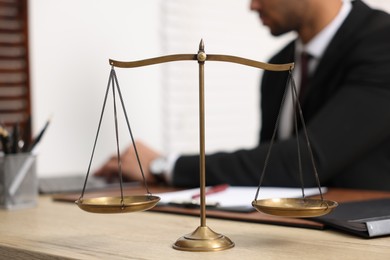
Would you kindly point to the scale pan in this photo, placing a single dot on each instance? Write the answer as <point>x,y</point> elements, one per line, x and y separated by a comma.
<point>298,208</point>
<point>115,204</point>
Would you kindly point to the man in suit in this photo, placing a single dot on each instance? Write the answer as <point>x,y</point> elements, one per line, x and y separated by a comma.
<point>345,103</point>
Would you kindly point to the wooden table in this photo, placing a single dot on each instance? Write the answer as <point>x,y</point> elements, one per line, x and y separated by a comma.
<point>62,231</point>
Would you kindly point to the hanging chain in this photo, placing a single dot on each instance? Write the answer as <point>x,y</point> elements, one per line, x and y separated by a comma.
<point>113,81</point>
<point>97,133</point>
<point>290,85</point>
<point>272,139</point>
<point>131,134</point>
<point>119,159</point>
<point>298,105</point>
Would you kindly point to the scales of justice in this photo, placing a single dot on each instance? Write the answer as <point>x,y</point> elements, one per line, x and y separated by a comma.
<point>204,238</point>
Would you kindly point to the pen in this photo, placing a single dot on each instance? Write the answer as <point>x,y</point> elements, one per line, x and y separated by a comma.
<point>39,136</point>
<point>212,190</point>
<point>15,138</point>
<point>4,139</point>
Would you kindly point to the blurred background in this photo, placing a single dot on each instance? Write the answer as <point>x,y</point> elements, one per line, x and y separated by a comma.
<point>71,41</point>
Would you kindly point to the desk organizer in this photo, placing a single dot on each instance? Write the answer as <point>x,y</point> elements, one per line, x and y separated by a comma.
<point>18,181</point>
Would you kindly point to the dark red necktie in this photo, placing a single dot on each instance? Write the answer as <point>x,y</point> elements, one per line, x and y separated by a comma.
<point>305,58</point>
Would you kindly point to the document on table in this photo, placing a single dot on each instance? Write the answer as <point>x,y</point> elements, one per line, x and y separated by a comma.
<point>235,197</point>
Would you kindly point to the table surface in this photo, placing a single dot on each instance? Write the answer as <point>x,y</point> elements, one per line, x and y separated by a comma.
<point>61,230</point>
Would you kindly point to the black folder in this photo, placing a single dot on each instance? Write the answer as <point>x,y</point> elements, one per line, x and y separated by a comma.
<point>369,218</point>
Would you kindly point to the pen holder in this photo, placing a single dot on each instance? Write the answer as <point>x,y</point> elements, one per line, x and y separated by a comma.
<point>18,181</point>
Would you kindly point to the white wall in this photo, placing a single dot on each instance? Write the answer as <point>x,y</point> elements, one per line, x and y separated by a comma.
<point>71,42</point>
<point>231,90</point>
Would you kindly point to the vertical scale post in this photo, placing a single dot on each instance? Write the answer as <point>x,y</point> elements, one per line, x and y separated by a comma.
<point>203,238</point>
<point>202,154</point>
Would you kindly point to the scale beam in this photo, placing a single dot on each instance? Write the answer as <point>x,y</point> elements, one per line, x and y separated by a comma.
<point>209,57</point>
<point>203,238</point>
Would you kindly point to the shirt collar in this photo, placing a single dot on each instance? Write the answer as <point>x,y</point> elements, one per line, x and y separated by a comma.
<point>316,47</point>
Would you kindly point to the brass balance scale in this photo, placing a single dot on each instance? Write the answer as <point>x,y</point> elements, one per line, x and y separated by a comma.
<point>204,238</point>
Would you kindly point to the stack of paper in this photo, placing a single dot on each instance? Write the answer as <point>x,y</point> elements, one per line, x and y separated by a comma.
<point>234,196</point>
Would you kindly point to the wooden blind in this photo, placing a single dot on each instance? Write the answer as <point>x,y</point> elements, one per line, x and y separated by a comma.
<point>15,101</point>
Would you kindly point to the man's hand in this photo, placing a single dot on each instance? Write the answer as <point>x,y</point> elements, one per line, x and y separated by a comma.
<point>129,164</point>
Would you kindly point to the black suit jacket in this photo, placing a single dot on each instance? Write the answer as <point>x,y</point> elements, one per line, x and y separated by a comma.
<point>346,110</point>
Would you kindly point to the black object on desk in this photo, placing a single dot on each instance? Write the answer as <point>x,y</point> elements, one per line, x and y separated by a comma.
<point>369,218</point>
<point>71,183</point>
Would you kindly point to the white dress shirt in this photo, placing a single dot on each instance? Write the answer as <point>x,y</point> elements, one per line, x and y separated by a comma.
<point>315,48</point>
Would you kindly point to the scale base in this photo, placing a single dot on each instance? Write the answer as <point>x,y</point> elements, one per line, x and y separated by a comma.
<point>203,239</point>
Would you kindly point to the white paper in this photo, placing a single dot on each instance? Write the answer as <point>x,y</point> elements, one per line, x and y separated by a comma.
<point>239,196</point>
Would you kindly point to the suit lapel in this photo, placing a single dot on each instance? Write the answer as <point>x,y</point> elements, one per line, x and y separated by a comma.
<point>339,46</point>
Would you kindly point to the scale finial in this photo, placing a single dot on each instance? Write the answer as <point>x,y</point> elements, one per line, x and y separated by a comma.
<point>201,54</point>
<point>201,45</point>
